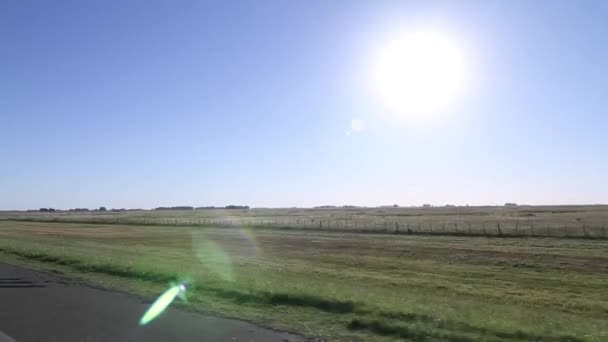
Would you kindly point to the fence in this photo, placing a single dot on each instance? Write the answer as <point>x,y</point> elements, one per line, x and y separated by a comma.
<point>369,225</point>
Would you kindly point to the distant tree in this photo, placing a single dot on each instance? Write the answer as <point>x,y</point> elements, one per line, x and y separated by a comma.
<point>103,209</point>
<point>44,210</point>
<point>426,205</point>
<point>510,205</point>
<point>236,207</point>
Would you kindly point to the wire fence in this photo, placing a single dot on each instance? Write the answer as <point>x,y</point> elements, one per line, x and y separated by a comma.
<point>362,225</point>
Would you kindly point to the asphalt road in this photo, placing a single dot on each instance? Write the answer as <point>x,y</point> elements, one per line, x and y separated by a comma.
<point>36,306</point>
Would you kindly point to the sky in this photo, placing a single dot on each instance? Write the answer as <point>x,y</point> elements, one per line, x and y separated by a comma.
<point>138,104</point>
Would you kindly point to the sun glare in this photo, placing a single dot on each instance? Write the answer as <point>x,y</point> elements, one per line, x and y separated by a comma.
<point>419,73</point>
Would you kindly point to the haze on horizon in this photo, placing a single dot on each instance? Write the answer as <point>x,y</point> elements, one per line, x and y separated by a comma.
<point>285,104</point>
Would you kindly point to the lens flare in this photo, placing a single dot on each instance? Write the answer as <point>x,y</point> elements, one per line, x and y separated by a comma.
<point>245,238</point>
<point>249,243</point>
<point>162,302</point>
<point>212,257</point>
<point>220,255</point>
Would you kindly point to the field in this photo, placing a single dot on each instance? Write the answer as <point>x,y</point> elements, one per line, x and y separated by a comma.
<point>337,284</point>
<point>549,221</point>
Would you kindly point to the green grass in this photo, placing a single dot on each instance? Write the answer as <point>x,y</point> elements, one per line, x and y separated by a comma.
<point>343,286</point>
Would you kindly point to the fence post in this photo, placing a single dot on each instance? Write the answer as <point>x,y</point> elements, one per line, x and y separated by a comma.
<point>584,230</point>
<point>396,227</point>
<point>499,230</point>
<point>532,227</point>
<point>604,230</point>
<point>443,228</point>
<point>469,228</point>
<point>484,229</point>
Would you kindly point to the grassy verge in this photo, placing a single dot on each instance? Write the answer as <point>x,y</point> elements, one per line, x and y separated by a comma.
<point>344,286</point>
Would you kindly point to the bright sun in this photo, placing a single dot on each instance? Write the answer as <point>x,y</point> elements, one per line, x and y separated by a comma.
<point>419,73</point>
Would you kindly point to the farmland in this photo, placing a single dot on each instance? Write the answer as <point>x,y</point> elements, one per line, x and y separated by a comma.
<point>548,221</point>
<point>336,283</point>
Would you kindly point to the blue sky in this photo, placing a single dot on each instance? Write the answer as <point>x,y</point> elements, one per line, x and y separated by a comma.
<point>150,103</point>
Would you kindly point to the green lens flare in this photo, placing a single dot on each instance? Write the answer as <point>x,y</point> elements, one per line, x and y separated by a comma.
<point>161,304</point>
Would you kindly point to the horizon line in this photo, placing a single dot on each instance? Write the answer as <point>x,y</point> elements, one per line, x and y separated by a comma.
<point>325,206</point>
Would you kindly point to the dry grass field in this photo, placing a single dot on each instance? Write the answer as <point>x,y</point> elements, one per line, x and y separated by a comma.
<point>556,221</point>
